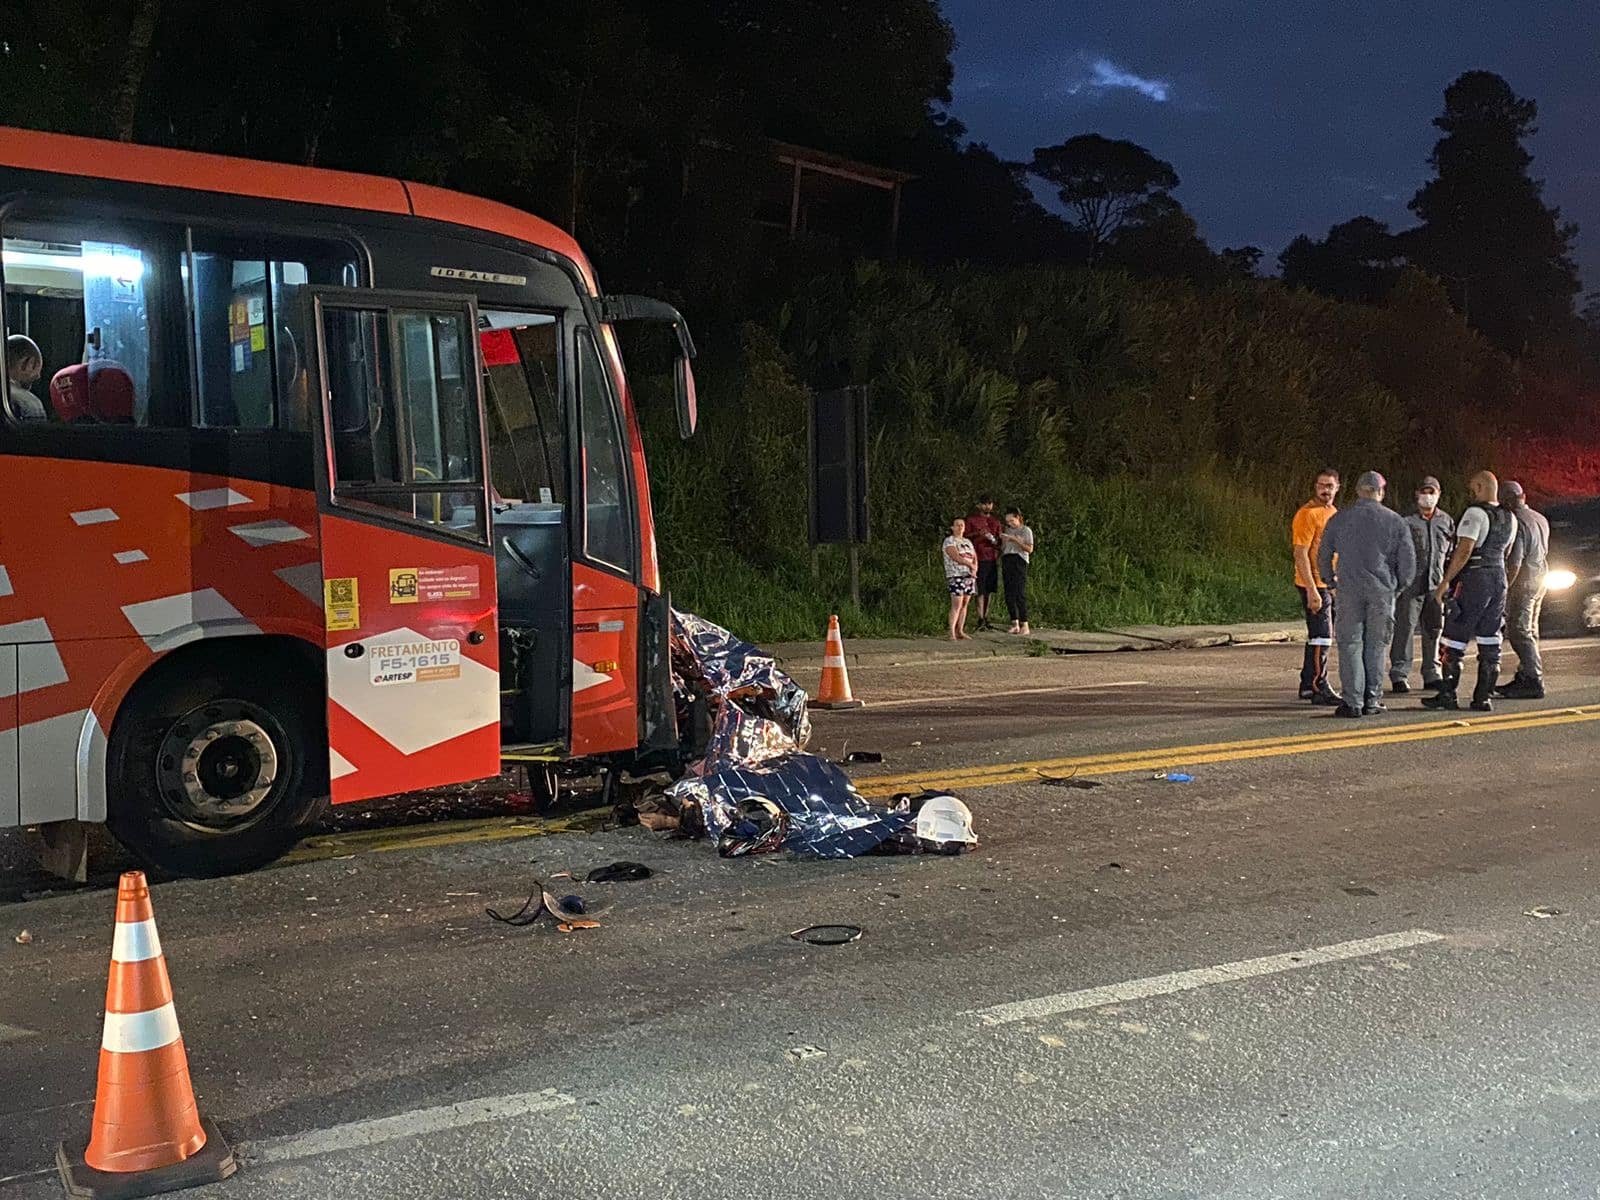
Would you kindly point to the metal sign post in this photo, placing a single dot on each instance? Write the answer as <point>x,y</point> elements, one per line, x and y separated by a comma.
<point>836,438</point>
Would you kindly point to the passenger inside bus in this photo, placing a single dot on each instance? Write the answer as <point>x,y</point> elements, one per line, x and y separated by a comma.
<point>24,365</point>
<point>236,308</point>
<point>86,305</point>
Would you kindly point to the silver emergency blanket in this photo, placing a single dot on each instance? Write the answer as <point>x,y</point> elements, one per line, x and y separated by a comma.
<point>756,789</point>
<point>757,712</point>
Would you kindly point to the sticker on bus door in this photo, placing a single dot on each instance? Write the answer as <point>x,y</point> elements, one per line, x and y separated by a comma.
<point>413,687</point>
<point>413,661</point>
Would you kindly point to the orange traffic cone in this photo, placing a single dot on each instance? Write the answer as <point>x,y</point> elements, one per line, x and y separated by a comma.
<point>148,1135</point>
<point>835,689</point>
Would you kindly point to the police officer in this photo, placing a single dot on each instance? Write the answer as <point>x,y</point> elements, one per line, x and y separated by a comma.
<point>1475,581</point>
<point>1432,530</point>
<point>1525,597</point>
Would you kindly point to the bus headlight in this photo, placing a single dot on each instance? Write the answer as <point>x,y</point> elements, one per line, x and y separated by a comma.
<point>1559,580</point>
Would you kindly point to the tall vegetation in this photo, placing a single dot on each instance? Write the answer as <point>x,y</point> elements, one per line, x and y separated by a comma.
<point>1156,433</point>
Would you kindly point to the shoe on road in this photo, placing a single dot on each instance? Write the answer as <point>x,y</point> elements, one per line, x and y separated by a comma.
<point>1484,705</point>
<point>1399,687</point>
<point>1330,699</point>
<point>1373,710</point>
<point>1521,689</point>
<point>1441,700</point>
<point>1432,685</point>
<point>1344,710</point>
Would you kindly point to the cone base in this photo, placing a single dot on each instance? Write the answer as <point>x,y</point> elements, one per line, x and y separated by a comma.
<point>212,1164</point>
<point>836,703</point>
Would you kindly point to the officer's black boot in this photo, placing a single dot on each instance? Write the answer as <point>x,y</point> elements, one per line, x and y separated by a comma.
<point>1449,680</point>
<point>1522,687</point>
<point>1488,675</point>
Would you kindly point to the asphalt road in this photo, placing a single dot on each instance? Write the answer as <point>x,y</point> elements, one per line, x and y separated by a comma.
<point>1308,972</point>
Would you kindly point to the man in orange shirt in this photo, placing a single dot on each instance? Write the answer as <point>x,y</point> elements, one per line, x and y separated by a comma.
<point>1305,534</point>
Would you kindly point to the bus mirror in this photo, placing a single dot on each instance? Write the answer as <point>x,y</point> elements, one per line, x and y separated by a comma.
<point>614,309</point>
<point>688,402</point>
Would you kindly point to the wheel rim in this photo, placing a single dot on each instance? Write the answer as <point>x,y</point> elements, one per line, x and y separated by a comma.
<point>218,764</point>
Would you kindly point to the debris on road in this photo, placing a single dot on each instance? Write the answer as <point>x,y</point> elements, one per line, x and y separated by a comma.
<point>1068,781</point>
<point>541,902</point>
<point>828,935</point>
<point>863,756</point>
<point>803,1053</point>
<point>1544,912</point>
<point>755,790</point>
<point>1358,891</point>
<point>619,872</point>
<point>25,938</point>
<point>1175,777</point>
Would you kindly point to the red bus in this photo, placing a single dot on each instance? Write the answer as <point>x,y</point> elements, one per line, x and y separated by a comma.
<point>317,485</point>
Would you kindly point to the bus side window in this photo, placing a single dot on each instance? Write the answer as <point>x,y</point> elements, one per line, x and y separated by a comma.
<point>252,330</point>
<point>91,301</point>
<point>607,525</point>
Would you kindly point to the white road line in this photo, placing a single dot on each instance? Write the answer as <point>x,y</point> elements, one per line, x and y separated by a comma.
<point>1183,981</point>
<point>1039,691</point>
<point>28,1176</point>
<point>404,1125</point>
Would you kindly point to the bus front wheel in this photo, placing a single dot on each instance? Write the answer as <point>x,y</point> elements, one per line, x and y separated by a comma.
<point>212,769</point>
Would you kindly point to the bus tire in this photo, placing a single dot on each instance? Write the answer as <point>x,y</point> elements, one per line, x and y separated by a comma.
<point>215,764</point>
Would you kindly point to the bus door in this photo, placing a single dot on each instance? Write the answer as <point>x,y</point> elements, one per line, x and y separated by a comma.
<point>408,569</point>
<point>605,593</point>
<point>532,525</point>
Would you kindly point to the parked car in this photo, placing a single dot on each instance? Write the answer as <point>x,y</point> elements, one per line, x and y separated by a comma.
<point>1572,605</point>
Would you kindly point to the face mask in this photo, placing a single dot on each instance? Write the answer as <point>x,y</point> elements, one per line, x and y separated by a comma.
<point>1427,501</point>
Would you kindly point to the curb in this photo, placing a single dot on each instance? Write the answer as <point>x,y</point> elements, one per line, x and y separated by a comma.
<point>916,651</point>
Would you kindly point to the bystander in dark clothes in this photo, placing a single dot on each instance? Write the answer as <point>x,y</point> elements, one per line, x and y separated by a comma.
<point>983,531</point>
<point>1366,553</point>
<point>1016,551</point>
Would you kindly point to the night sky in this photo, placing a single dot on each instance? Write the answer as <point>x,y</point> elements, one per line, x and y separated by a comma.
<point>1284,118</point>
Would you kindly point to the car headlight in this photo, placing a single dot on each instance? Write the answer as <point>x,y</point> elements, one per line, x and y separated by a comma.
<point>1559,580</point>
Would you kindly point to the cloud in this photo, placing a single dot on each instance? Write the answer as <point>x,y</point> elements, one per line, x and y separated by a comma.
<point>1103,75</point>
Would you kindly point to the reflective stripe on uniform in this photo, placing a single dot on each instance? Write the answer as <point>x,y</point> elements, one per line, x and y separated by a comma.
<point>1453,645</point>
<point>1490,641</point>
<point>1319,641</point>
<point>135,941</point>
<point>134,1033</point>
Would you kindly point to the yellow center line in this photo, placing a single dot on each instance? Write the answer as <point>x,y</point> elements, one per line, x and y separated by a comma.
<point>1158,757</point>
<point>438,833</point>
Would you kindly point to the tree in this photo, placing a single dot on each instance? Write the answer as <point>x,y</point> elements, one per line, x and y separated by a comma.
<point>1241,262</point>
<point>1159,238</point>
<point>968,204</point>
<point>1358,260</point>
<point>1504,254</point>
<point>1103,181</point>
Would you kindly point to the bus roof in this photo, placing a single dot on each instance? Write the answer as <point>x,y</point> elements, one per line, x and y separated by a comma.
<point>93,158</point>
